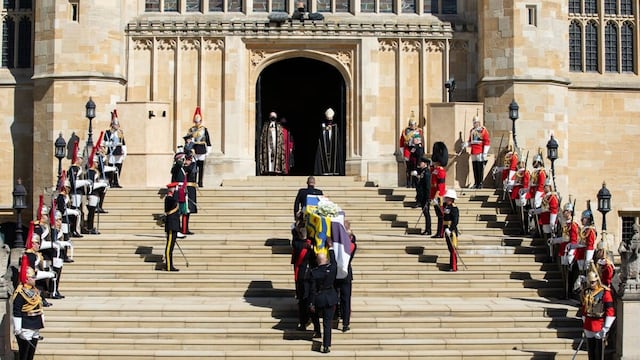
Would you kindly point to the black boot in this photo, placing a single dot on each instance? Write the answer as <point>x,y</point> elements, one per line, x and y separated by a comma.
<point>116,176</point>
<point>200,164</point>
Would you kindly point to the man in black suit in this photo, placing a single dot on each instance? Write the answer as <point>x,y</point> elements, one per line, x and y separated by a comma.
<point>301,198</point>
<point>423,190</point>
<point>324,297</point>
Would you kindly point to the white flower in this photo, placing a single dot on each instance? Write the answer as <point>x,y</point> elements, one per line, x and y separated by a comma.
<point>327,208</point>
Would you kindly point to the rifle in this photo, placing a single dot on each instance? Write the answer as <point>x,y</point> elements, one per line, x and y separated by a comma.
<point>455,158</point>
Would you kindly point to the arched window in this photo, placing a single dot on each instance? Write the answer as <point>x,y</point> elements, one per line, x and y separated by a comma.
<point>8,42</point>
<point>626,47</point>
<point>574,6</point>
<point>591,46</point>
<point>611,47</point>
<point>590,6</point>
<point>610,7</point>
<point>575,46</point>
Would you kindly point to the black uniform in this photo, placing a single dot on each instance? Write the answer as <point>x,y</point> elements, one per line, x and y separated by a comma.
<point>27,307</point>
<point>329,156</point>
<point>303,260</point>
<point>450,221</point>
<point>171,227</point>
<point>325,296</point>
<point>301,198</point>
<point>191,172</point>
<point>423,191</point>
<point>343,287</point>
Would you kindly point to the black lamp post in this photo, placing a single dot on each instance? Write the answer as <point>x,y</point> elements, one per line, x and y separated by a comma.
<point>90,114</point>
<point>19,204</point>
<point>513,115</point>
<point>552,154</point>
<point>60,148</point>
<point>604,204</point>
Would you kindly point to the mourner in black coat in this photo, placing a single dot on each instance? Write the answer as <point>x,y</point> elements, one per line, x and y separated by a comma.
<point>324,297</point>
<point>301,198</point>
<point>171,225</point>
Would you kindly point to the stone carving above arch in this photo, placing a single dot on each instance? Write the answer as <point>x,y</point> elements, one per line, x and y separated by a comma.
<point>411,45</point>
<point>433,46</point>
<point>142,44</point>
<point>213,44</point>
<point>189,44</point>
<point>345,57</point>
<point>387,45</point>
<point>166,44</point>
<point>459,45</point>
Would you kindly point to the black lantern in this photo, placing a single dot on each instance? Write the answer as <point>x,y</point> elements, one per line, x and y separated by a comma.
<point>604,204</point>
<point>552,154</point>
<point>513,115</point>
<point>61,147</point>
<point>90,114</point>
<point>19,204</point>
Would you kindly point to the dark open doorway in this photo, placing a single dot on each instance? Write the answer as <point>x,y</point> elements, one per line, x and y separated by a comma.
<point>300,90</point>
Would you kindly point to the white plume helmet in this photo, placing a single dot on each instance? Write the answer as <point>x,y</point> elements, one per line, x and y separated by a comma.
<point>114,117</point>
<point>329,114</point>
<point>451,194</point>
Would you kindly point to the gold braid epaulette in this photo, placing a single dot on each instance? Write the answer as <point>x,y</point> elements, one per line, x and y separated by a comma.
<point>33,305</point>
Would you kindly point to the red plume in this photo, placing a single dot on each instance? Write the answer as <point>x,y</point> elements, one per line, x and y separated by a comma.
<point>63,178</point>
<point>29,244</point>
<point>99,142</point>
<point>52,214</point>
<point>114,117</point>
<point>197,115</point>
<point>74,158</point>
<point>24,266</point>
<point>40,205</point>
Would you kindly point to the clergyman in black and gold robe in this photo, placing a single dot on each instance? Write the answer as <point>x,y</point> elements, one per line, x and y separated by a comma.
<point>329,156</point>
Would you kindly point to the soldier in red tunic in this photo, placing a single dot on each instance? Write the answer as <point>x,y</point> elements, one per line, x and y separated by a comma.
<point>439,159</point>
<point>598,315</point>
<point>480,142</point>
<point>587,242</point>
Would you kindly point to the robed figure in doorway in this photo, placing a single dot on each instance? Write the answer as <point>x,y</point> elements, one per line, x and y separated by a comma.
<point>329,156</point>
<point>273,147</point>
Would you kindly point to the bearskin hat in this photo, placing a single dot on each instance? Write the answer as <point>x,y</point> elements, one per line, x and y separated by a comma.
<point>440,154</point>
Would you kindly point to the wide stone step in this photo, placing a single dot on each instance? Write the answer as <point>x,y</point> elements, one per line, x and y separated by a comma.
<point>363,307</point>
<point>287,274</point>
<point>266,291</point>
<point>109,354</point>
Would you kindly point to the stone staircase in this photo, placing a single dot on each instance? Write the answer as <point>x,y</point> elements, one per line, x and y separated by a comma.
<point>235,299</point>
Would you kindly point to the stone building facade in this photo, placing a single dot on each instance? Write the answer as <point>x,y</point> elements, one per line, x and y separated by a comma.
<point>571,65</point>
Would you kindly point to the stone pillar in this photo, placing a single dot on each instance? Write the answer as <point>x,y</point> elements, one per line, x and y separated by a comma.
<point>627,315</point>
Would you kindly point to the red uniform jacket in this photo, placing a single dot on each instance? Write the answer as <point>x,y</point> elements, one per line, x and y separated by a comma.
<point>438,178</point>
<point>595,323</point>
<point>545,216</point>
<point>513,166</point>
<point>574,230</point>
<point>538,186</point>
<point>522,182</point>
<point>587,238</point>
<point>478,140</point>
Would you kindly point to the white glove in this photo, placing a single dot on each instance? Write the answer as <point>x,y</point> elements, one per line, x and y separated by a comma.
<point>17,325</point>
<point>208,150</point>
<point>124,151</point>
<point>447,232</point>
<point>434,202</point>
<point>583,318</point>
<point>465,144</point>
<point>485,156</point>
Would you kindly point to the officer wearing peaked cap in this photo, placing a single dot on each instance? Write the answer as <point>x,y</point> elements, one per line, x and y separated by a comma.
<point>451,215</point>
<point>171,225</point>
